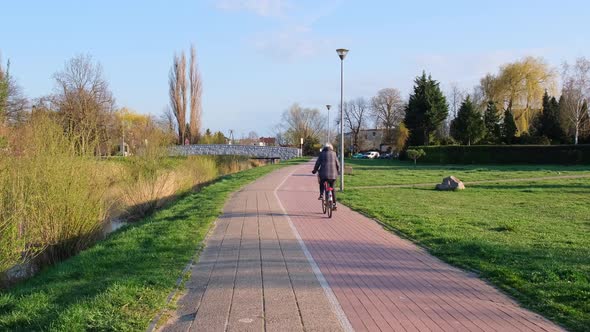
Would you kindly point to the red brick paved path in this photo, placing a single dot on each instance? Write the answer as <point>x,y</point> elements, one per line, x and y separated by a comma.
<point>255,275</point>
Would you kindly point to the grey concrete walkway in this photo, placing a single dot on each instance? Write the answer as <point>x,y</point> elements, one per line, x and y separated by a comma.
<point>264,269</point>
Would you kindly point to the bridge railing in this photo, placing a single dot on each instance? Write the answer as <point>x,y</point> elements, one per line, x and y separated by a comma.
<point>253,151</point>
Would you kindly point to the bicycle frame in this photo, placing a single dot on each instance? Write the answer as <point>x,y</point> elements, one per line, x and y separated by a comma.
<point>328,201</point>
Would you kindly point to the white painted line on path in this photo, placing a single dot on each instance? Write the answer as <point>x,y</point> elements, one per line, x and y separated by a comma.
<point>340,315</point>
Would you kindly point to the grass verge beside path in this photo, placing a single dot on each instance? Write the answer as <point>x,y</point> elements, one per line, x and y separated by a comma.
<point>123,281</point>
<point>367,172</point>
<point>531,239</point>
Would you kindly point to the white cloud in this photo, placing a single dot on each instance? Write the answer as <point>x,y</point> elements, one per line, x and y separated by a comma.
<point>265,8</point>
<point>292,36</point>
<point>290,43</point>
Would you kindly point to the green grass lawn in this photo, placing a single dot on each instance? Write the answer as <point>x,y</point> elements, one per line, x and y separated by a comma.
<point>122,282</point>
<point>368,172</point>
<point>531,239</point>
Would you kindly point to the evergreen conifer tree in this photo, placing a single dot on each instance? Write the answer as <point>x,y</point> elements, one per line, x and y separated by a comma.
<point>491,120</point>
<point>468,127</point>
<point>509,126</point>
<point>426,110</point>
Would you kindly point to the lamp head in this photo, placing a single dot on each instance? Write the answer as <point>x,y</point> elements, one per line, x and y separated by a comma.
<point>342,53</point>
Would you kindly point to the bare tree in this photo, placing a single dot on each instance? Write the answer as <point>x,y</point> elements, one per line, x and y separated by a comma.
<point>279,134</point>
<point>355,118</point>
<point>13,104</point>
<point>196,89</point>
<point>177,91</point>
<point>576,94</point>
<point>84,102</point>
<point>388,109</point>
<point>298,122</point>
<point>455,96</point>
<point>167,121</point>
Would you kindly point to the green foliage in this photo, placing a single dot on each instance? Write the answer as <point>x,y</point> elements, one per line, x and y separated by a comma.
<point>492,124</point>
<point>311,146</point>
<point>509,129</point>
<point>508,154</point>
<point>548,122</point>
<point>426,110</point>
<point>402,134</point>
<point>530,239</point>
<point>415,154</point>
<point>212,138</point>
<point>50,197</point>
<point>468,127</point>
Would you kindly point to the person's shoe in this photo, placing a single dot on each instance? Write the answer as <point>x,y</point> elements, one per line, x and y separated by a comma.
<point>334,208</point>
<point>320,198</point>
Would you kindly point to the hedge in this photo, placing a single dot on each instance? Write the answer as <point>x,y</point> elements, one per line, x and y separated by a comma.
<point>506,154</point>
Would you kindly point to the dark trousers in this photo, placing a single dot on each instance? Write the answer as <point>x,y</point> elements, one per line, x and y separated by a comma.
<point>330,184</point>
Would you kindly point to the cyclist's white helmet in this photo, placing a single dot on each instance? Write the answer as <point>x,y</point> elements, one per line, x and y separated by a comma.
<point>329,146</point>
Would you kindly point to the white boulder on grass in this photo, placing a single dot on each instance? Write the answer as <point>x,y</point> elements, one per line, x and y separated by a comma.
<point>450,183</point>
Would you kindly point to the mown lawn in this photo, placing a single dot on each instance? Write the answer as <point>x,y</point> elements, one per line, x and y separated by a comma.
<point>531,239</point>
<point>368,172</point>
<point>122,282</point>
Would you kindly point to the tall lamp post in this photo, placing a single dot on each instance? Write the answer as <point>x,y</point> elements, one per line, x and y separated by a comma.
<point>328,135</point>
<point>342,54</point>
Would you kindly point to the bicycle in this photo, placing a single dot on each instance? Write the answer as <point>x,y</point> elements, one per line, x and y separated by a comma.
<point>328,200</point>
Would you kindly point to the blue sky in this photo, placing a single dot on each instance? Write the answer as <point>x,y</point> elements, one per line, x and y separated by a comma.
<point>259,57</point>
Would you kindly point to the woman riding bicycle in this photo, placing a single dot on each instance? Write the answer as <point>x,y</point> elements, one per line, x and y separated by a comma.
<point>329,168</point>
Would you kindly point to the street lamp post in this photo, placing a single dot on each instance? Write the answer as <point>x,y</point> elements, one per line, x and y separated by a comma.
<point>328,135</point>
<point>342,54</point>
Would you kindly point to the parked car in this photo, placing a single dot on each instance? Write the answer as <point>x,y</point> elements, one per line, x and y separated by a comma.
<point>386,156</point>
<point>358,156</point>
<point>371,154</point>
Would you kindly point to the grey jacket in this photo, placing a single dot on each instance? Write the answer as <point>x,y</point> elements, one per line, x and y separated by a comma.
<point>328,165</point>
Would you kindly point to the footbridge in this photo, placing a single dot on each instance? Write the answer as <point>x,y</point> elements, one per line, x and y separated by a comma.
<point>252,151</point>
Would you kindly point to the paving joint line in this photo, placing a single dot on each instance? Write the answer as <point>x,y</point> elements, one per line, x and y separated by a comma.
<point>194,260</point>
<point>237,268</point>
<point>287,268</point>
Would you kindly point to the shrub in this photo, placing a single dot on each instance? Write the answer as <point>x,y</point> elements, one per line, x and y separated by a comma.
<point>507,154</point>
<point>146,182</point>
<point>415,154</point>
<point>54,201</point>
<point>50,197</point>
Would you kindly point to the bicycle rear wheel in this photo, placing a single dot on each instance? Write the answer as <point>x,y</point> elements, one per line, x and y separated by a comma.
<point>329,205</point>
<point>324,204</point>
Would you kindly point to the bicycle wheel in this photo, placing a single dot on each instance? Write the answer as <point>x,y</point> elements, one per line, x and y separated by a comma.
<point>324,204</point>
<point>329,206</point>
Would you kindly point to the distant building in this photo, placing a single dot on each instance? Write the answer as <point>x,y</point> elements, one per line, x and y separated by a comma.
<point>368,139</point>
<point>267,141</point>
